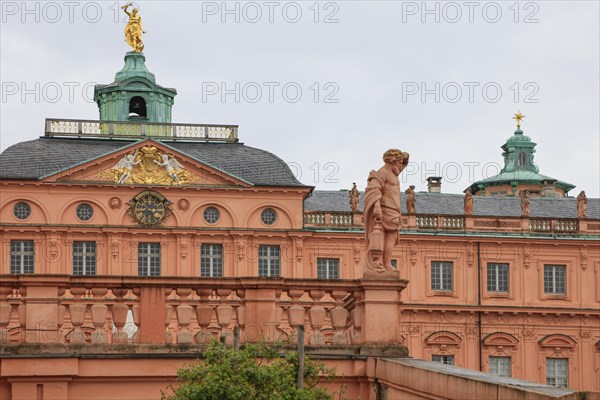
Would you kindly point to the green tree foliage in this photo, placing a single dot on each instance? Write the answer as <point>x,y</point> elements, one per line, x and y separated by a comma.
<point>252,373</point>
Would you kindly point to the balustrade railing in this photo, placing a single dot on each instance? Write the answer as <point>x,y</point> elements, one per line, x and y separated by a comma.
<point>427,221</point>
<point>343,220</point>
<point>554,225</point>
<point>137,129</point>
<point>168,311</point>
<point>567,226</point>
<point>329,219</point>
<point>453,222</point>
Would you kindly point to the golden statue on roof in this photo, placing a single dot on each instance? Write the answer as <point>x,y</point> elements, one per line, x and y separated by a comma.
<point>133,29</point>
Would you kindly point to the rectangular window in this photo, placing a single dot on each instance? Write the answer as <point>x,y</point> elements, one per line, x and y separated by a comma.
<point>448,360</point>
<point>268,261</point>
<point>497,278</point>
<point>84,258</point>
<point>557,372</point>
<point>328,268</point>
<point>500,366</point>
<point>554,279</point>
<point>211,260</point>
<point>21,256</point>
<point>149,259</point>
<point>441,275</point>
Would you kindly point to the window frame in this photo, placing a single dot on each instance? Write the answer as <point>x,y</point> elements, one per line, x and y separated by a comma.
<point>89,259</point>
<point>496,289</point>
<point>269,259</point>
<point>496,365</point>
<point>22,253</point>
<point>149,258</point>
<point>268,221</point>
<point>554,268</point>
<point>21,207</point>
<point>435,265</point>
<point>442,358</point>
<point>212,258</point>
<point>82,208</point>
<point>555,376</point>
<point>210,212</point>
<point>328,267</point>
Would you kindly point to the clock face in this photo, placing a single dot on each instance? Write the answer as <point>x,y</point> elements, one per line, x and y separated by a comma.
<point>149,209</point>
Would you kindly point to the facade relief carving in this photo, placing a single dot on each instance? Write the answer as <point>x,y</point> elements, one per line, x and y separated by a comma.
<point>115,203</point>
<point>183,205</point>
<point>149,165</point>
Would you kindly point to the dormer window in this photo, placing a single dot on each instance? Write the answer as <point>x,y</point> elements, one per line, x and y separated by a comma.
<point>137,107</point>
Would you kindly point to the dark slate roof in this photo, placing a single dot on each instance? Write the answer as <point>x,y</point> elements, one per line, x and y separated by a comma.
<point>452,204</point>
<point>42,157</point>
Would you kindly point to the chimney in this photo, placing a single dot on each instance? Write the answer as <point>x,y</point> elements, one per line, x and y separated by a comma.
<point>549,188</point>
<point>434,184</point>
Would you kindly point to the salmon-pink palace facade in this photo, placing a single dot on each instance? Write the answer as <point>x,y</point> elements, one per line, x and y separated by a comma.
<point>135,231</point>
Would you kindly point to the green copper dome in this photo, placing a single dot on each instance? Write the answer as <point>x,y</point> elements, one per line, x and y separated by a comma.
<point>519,167</point>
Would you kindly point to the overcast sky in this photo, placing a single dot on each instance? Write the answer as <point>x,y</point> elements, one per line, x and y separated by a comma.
<point>329,86</point>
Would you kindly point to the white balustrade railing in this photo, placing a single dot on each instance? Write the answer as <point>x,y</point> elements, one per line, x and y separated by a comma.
<point>134,129</point>
<point>314,218</point>
<point>453,222</point>
<point>341,219</point>
<point>540,225</point>
<point>427,222</point>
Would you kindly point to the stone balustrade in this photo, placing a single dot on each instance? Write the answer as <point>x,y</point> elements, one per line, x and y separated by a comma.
<point>339,220</point>
<point>137,129</point>
<point>424,222</point>
<point>160,310</point>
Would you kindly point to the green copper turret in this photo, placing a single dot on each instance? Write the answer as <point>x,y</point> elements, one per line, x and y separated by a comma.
<point>134,95</point>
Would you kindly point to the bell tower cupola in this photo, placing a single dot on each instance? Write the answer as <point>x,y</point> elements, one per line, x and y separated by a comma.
<point>520,173</point>
<point>134,95</point>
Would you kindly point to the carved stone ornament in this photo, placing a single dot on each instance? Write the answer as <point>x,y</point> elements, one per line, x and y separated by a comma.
<point>183,204</point>
<point>148,165</point>
<point>115,203</point>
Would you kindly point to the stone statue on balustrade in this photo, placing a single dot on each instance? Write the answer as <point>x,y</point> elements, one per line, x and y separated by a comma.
<point>581,204</point>
<point>469,203</point>
<point>524,203</point>
<point>382,214</point>
<point>354,196</point>
<point>411,200</point>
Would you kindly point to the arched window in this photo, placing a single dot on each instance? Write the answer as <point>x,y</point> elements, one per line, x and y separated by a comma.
<point>137,107</point>
<point>522,161</point>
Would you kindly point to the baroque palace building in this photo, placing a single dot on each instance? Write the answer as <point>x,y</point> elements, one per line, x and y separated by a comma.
<point>132,230</point>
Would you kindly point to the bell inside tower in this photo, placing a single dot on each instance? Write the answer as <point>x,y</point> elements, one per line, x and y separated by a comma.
<point>137,107</point>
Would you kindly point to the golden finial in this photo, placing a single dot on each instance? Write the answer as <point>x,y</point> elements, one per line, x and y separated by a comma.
<point>518,117</point>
